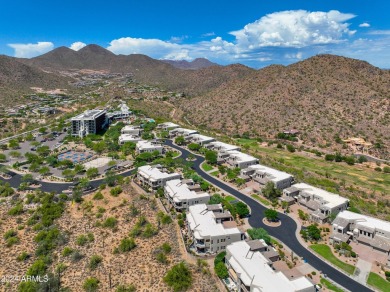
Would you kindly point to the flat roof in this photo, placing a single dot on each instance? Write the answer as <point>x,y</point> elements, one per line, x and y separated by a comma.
<point>364,220</point>
<point>186,131</point>
<point>254,271</point>
<point>241,156</point>
<point>89,114</point>
<point>202,138</point>
<point>225,146</point>
<point>273,174</point>
<point>129,127</point>
<point>169,125</point>
<point>153,173</point>
<point>333,200</point>
<point>202,223</point>
<point>129,138</point>
<point>143,144</point>
<point>179,191</point>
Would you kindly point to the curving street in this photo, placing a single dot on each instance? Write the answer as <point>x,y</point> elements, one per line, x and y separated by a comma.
<point>285,232</point>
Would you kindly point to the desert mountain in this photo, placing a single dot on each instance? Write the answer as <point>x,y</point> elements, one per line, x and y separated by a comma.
<point>324,97</point>
<point>144,68</point>
<point>17,77</point>
<point>196,64</point>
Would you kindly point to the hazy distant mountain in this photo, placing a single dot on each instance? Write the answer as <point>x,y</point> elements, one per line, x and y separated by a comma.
<point>198,63</point>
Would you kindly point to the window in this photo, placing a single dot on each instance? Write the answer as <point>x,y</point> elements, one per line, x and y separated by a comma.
<point>223,240</point>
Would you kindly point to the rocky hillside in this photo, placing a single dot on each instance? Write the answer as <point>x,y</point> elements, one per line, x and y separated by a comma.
<point>144,68</point>
<point>324,97</point>
<point>17,78</point>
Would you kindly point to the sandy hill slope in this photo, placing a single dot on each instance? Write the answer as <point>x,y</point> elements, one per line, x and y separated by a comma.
<point>323,96</point>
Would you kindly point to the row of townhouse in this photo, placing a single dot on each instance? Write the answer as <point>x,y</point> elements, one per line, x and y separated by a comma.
<point>149,146</point>
<point>320,202</point>
<point>252,270</point>
<point>363,229</point>
<point>130,134</point>
<point>155,177</point>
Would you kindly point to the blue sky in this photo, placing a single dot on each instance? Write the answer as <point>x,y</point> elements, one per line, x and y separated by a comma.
<point>255,33</point>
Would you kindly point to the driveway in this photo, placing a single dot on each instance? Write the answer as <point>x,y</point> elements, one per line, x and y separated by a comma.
<point>285,232</point>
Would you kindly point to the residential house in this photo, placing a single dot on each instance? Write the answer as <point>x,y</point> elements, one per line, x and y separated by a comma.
<point>149,146</point>
<point>211,228</point>
<point>154,177</point>
<point>128,138</point>
<point>220,146</point>
<point>132,130</point>
<point>362,229</point>
<point>182,132</point>
<point>321,203</point>
<point>264,174</point>
<point>237,159</point>
<point>182,194</point>
<point>251,270</point>
<point>167,126</point>
<point>199,139</point>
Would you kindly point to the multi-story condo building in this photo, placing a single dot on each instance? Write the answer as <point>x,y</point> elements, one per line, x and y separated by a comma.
<point>321,203</point>
<point>220,146</point>
<point>128,138</point>
<point>362,229</point>
<point>182,132</point>
<point>154,177</point>
<point>182,194</point>
<point>264,174</point>
<point>149,146</point>
<point>167,126</point>
<point>237,159</point>
<point>211,228</point>
<point>199,139</point>
<point>89,122</point>
<point>132,130</point>
<point>251,270</point>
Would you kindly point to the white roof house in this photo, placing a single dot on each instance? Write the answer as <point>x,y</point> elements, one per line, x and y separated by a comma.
<point>322,202</point>
<point>185,132</point>
<point>220,146</point>
<point>168,125</point>
<point>238,159</point>
<point>128,138</point>
<point>365,229</point>
<point>154,177</point>
<point>263,174</point>
<point>148,146</point>
<point>253,270</point>
<point>133,130</point>
<point>211,228</point>
<point>182,196</point>
<point>200,139</point>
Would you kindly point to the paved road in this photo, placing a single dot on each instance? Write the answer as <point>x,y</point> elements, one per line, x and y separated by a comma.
<point>58,188</point>
<point>285,232</point>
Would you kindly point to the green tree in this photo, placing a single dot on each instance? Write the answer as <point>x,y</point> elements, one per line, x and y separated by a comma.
<point>270,192</point>
<point>180,140</point>
<point>68,174</point>
<point>79,168</point>
<point>123,288</point>
<point>43,150</point>
<point>194,147</point>
<point>179,277</point>
<point>259,233</point>
<point>28,178</point>
<point>211,157</point>
<point>44,170</point>
<point>127,244</point>
<point>3,157</point>
<point>92,172</point>
<point>95,261</point>
<point>13,144</point>
<point>271,214</point>
<point>290,148</point>
<point>242,209</point>
<point>219,266</point>
<point>91,284</point>
<point>99,147</point>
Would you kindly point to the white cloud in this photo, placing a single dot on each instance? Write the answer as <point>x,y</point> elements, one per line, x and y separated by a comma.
<point>181,55</point>
<point>297,56</point>
<point>208,34</point>
<point>364,24</point>
<point>178,39</point>
<point>31,50</point>
<point>294,28</point>
<point>380,32</point>
<point>77,46</point>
